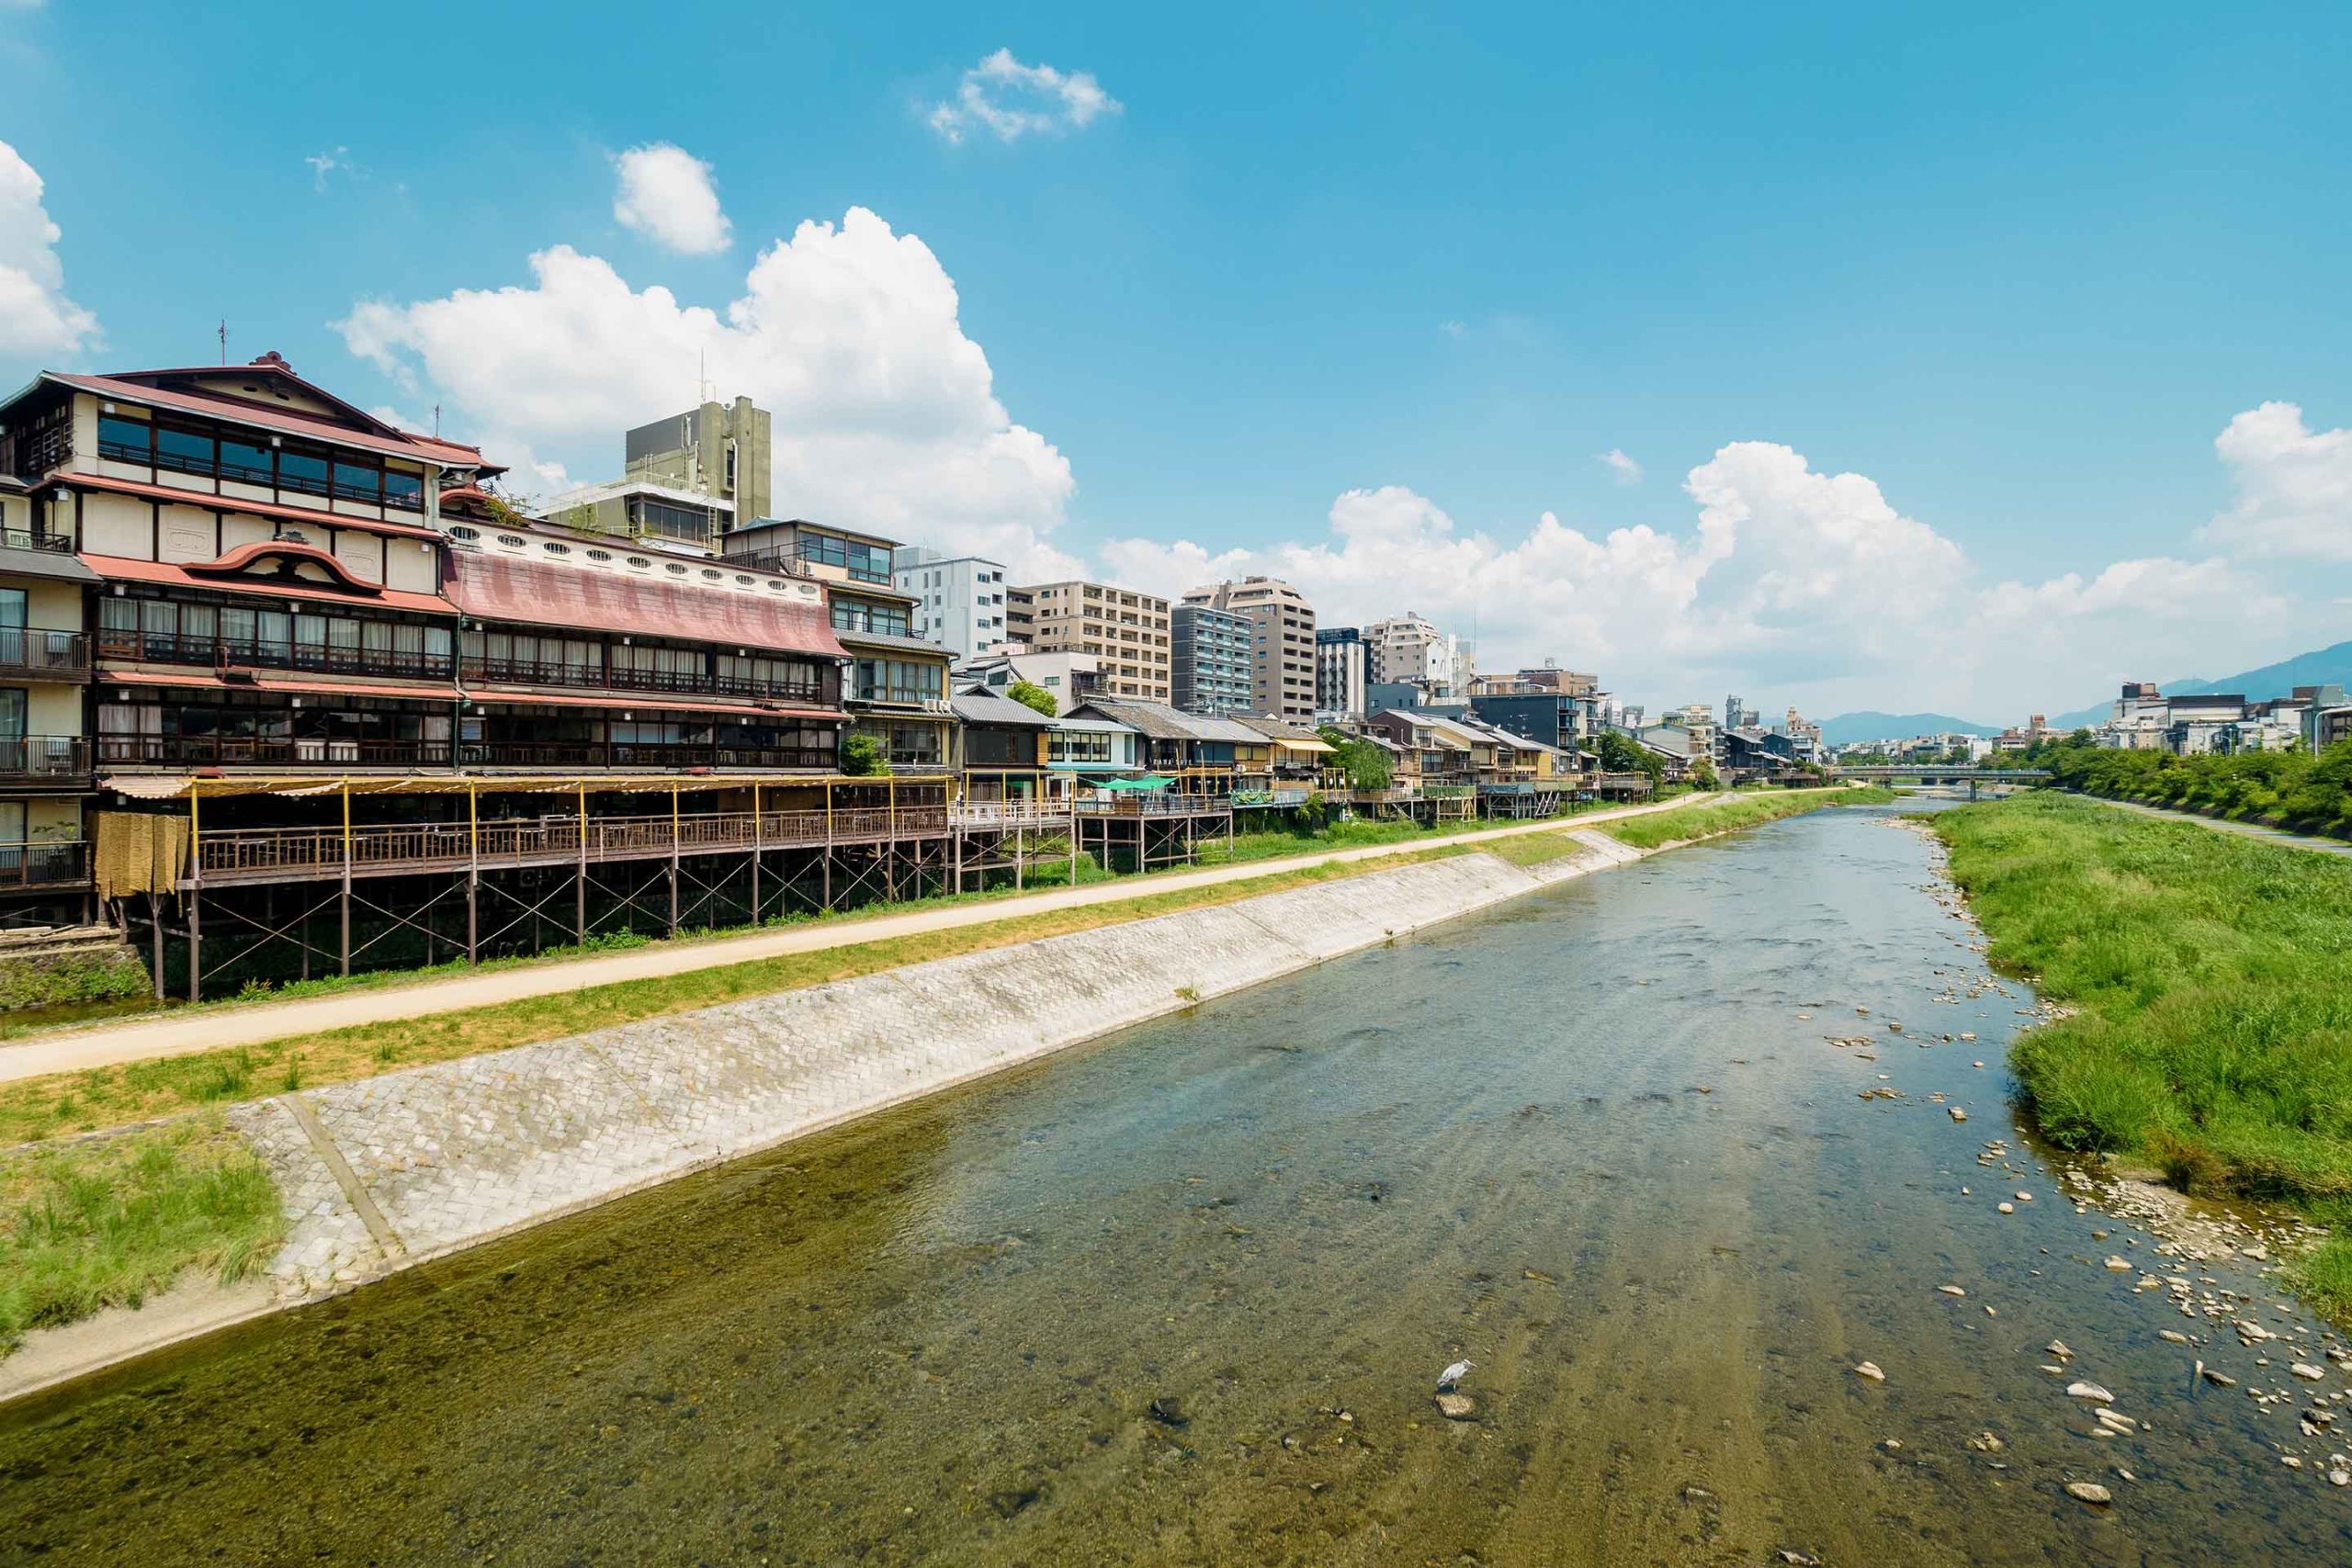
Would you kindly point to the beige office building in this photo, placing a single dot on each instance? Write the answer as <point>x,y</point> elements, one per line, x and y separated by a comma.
<point>1125,630</point>
<point>1282,643</point>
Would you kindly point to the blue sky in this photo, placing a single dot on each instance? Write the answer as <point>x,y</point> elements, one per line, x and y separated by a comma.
<point>1361,300</point>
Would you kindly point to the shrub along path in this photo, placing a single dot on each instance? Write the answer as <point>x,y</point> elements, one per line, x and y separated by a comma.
<point>2211,979</point>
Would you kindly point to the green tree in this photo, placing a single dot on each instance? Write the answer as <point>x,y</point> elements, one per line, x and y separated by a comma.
<point>1363,763</point>
<point>862,755</point>
<point>1703,774</point>
<point>1623,754</point>
<point>1028,693</point>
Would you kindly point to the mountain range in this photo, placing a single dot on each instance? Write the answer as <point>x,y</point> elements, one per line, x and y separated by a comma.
<point>2320,667</point>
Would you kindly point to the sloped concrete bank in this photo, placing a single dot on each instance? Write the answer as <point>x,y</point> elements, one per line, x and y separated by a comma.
<point>386,1172</point>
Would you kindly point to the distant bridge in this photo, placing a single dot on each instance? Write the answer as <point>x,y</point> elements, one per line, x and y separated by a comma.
<point>1942,773</point>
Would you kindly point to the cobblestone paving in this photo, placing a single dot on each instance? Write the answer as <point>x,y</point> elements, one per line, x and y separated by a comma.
<point>460,1151</point>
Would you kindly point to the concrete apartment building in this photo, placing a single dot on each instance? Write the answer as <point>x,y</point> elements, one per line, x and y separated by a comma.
<point>959,599</point>
<point>1210,661</point>
<point>1282,642</point>
<point>1408,650</point>
<point>1342,672</point>
<point>688,479</point>
<point>1128,632</point>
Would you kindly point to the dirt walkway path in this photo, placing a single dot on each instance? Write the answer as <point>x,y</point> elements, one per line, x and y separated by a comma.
<point>2223,825</point>
<point>179,1034</point>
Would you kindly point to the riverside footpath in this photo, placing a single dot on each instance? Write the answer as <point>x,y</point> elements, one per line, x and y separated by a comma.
<point>228,1026</point>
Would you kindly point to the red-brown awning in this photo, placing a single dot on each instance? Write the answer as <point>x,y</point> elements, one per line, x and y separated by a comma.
<point>298,685</point>
<point>123,569</point>
<point>659,705</point>
<point>500,588</point>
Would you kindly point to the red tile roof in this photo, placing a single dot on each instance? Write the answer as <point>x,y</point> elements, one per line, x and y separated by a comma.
<point>122,568</point>
<point>499,588</point>
<point>132,386</point>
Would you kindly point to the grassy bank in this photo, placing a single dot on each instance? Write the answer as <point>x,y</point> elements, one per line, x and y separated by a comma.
<point>2211,979</point>
<point>107,1222</point>
<point>1745,811</point>
<point>2281,789</point>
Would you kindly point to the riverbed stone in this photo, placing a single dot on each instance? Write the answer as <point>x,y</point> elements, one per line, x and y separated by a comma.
<point>1457,1406</point>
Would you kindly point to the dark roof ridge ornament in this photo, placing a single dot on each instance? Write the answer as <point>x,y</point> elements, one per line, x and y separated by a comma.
<point>275,359</point>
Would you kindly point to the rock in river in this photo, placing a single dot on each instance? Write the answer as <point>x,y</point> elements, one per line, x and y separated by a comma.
<point>1869,1370</point>
<point>2088,1492</point>
<point>2089,1391</point>
<point>1456,1406</point>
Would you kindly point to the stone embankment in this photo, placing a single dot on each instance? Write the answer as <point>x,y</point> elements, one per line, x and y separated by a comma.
<point>391,1171</point>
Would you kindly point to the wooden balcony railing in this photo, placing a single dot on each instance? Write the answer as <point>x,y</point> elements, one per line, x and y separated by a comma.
<point>44,756</point>
<point>254,854</point>
<point>1157,803</point>
<point>30,653</point>
<point>49,865</point>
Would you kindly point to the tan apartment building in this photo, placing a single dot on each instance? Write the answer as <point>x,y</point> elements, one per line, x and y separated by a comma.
<point>1282,642</point>
<point>1126,631</point>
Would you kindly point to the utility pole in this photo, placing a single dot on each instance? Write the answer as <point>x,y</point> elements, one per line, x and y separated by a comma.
<point>224,340</point>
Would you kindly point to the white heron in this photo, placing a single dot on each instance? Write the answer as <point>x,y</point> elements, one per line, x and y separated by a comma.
<point>1454,1374</point>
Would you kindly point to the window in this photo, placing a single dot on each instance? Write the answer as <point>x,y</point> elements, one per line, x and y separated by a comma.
<point>511,541</point>
<point>897,681</point>
<point>354,482</point>
<point>129,440</point>
<point>302,469</point>
<point>600,555</point>
<point>551,547</point>
<point>857,616</point>
<point>745,579</point>
<point>461,531</point>
<point>183,451</point>
<point>712,574</point>
<point>674,570</point>
<point>404,491</point>
<point>639,562</point>
<point>243,461</point>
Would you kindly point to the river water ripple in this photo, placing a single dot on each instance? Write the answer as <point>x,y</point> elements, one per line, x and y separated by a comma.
<point>1584,1142</point>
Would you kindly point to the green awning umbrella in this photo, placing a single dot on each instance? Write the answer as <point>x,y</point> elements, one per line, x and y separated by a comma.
<point>1149,781</point>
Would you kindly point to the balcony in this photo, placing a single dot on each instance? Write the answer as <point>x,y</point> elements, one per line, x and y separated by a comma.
<point>692,683</point>
<point>25,758</point>
<point>261,653</point>
<point>43,865</point>
<point>335,753</point>
<point>18,539</point>
<point>30,654</point>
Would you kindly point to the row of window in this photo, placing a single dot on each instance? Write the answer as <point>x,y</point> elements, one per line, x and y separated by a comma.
<point>307,470</point>
<point>857,615</point>
<point>897,680</point>
<point>170,631</point>
<point>864,563</point>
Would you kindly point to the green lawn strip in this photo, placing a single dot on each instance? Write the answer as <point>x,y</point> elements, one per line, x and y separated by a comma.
<point>2210,979</point>
<point>1745,811</point>
<point>94,1222</point>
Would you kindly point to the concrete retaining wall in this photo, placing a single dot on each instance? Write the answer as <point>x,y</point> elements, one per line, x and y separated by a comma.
<point>386,1171</point>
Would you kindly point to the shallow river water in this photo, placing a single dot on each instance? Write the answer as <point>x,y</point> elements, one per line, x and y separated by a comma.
<point>1585,1143</point>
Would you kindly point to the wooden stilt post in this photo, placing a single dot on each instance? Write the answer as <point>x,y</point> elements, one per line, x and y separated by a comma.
<point>155,926</point>
<point>346,876</point>
<point>580,880</point>
<point>673,859</point>
<point>825,871</point>
<point>757,840</point>
<point>196,884</point>
<point>473,872</point>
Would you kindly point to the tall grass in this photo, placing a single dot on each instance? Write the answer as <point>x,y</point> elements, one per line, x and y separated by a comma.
<point>107,1222</point>
<point>2211,982</point>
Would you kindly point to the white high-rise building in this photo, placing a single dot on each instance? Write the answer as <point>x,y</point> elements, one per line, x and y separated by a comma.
<point>959,599</point>
<point>1410,648</point>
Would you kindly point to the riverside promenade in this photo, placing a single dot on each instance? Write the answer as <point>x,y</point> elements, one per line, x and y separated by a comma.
<point>224,1026</point>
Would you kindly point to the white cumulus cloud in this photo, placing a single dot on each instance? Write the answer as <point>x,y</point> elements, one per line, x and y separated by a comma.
<point>885,413</point>
<point>36,317</point>
<point>2294,487</point>
<point>1621,467</point>
<point>666,194</point>
<point>1001,96</point>
<point>1786,581</point>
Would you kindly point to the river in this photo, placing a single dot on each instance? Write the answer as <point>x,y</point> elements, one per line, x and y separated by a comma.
<point>1588,1141</point>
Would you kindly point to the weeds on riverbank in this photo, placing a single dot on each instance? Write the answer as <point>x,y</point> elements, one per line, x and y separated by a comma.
<point>108,1222</point>
<point>2210,979</point>
<point>1745,811</point>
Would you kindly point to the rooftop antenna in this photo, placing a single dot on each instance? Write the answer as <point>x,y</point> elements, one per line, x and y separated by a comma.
<point>436,421</point>
<point>704,391</point>
<point>224,340</point>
